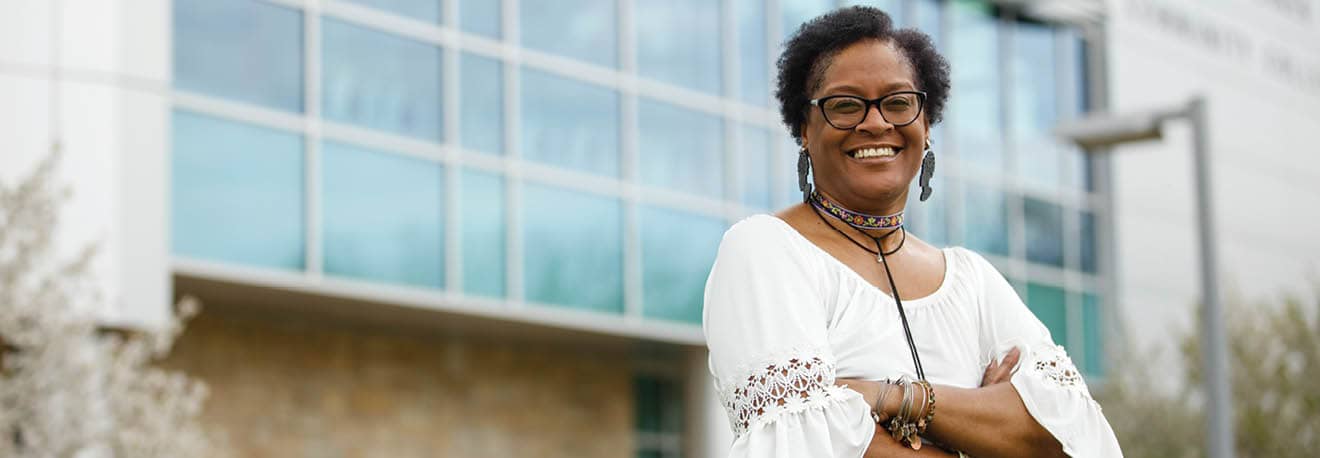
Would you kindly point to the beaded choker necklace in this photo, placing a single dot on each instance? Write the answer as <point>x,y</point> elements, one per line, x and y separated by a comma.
<point>861,221</point>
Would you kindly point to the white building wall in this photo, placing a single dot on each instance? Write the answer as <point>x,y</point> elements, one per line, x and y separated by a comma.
<point>93,76</point>
<point>1259,67</point>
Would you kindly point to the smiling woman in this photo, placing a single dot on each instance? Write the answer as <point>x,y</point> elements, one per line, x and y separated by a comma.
<point>820,317</point>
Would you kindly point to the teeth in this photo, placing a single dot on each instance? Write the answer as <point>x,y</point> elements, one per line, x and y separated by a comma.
<point>874,152</point>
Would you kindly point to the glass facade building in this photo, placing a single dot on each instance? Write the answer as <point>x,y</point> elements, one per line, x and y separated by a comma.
<point>585,156</point>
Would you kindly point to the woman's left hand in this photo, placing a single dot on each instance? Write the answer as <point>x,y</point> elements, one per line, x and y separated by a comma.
<point>1001,371</point>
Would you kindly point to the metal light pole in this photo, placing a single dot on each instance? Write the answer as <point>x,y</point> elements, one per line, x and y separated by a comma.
<point>1111,130</point>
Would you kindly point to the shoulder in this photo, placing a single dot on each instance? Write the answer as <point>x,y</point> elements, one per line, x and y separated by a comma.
<point>763,243</point>
<point>756,233</point>
<point>969,261</point>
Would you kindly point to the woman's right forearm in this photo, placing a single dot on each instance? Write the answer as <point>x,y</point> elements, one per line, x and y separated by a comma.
<point>885,446</point>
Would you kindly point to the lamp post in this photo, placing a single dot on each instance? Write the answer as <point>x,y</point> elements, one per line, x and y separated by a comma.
<point>1108,130</point>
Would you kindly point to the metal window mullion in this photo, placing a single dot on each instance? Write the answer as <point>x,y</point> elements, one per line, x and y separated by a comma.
<point>453,185</point>
<point>629,161</point>
<point>314,257</point>
<point>732,144</point>
<point>513,149</point>
<point>1012,182</point>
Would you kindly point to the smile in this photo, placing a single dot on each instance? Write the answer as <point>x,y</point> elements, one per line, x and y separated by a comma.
<point>882,151</point>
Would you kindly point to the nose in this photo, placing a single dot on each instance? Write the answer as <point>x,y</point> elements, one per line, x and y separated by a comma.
<point>874,123</point>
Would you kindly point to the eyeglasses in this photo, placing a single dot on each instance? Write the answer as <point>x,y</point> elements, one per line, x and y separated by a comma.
<point>847,111</point>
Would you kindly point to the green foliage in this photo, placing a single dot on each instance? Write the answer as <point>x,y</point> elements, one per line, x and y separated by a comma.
<point>1275,362</point>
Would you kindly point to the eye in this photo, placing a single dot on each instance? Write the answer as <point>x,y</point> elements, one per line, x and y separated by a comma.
<point>844,105</point>
<point>899,103</point>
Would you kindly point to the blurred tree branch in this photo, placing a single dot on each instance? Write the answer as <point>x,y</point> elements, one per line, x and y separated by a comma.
<point>66,388</point>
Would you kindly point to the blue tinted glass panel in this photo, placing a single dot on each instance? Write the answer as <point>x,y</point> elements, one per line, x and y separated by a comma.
<point>926,14</point>
<point>384,216</point>
<point>1088,242</point>
<point>482,104</point>
<point>677,42</point>
<point>1044,231</point>
<point>482,207</point>
<point>753,59</point>
<point>787,184</point>
<point>480,17</point>
<point>237,193</point>
<point>754,167</point>
<point>1035,102</point>
<point>680,149</point>
<point>573,249</point>
<point>381,81</point>
<point>1049,304</point>
<point>929,219</point>
<point>793,13</point>
<point>1093,326</point>
<point>570,123</point>
<point>579,29</point>
<point>422,10</point>
<point>985,220</point>
<point>243,50</point>
<point>974,114</point>
<point>677,252</point>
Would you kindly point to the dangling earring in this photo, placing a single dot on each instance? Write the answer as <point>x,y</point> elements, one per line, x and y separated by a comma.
<point>804,166</point>
<point>927,169</point>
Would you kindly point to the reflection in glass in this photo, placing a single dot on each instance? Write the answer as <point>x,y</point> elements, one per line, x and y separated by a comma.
<point>1088,242</point>
<point>381,81</point>
<point>974,114</point>
<point>243,50</point>
<point>236,193</point>
<point>482,208</point>
<point>985,220</point>
<point>677,252</point>
<point>383,216</point>
<point>570,123</point>
<point>572,248</point>
<point>422,10</point>
<point>680,149</point>
<point>753,61</point>
<point>481,104</point>
<point>480,17</point>
<point>579,29</point>
<point>1034,108</point>
<point>793,13</point>
<point>1044,231</point>
<point>1093,325</point>
<point>1048,304</point>
<point>754,167</point>
<point>678,42</point>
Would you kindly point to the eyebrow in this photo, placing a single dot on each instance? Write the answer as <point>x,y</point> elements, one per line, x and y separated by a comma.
<point>887,89</point>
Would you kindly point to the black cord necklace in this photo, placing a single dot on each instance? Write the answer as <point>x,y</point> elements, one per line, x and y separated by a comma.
<point>881,255</point>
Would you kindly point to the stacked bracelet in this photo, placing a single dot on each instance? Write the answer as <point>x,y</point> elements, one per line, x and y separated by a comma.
<point>913,416</point>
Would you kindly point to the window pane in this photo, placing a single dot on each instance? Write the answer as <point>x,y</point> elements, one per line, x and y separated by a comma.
<point>573,249</point>
<point>787,184</point>
<point>243,50</point>
<point>480,17</point>
<point>929,219</point>
<point>680,149</point>
<point>1044,231</point>
<point>985,221</point>
<point>378,80</point>
<point>678,42</point>
<point>384,216</point>
<point>482,207</point>
<point>570,123</point>
<point>677,252</point>
<point>659,405</point>
<point>1088,242</point>
<point>422,10</point>
<point>1048,304</point>
<point>754,167</point>
<point>753,60</point>
<point>975,112</point>
<point>225,173</point>
<point>580,29</point>
<point>793,13</point>
<point>1093,362</point>
<point>927,17</point>
<point>482,104</point>
<point>1034,108</point>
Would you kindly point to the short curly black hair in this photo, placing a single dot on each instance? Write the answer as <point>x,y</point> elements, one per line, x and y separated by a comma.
<point>808,53</point>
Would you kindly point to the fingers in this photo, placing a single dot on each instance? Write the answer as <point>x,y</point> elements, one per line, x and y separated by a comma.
<point>1011,359</point>
<point>1001,371</point>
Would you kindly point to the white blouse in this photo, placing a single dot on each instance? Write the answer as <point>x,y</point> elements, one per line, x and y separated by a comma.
<point>783,318</point>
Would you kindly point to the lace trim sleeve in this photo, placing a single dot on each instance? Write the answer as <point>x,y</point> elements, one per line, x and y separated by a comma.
<point>1052,364</point>
<point>785,385</point>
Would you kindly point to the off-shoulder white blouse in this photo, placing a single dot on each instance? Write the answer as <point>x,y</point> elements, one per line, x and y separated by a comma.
<point>783,319</point>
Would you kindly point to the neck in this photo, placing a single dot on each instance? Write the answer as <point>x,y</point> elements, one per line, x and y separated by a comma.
<point>883,205</point>
<point>860,220</point>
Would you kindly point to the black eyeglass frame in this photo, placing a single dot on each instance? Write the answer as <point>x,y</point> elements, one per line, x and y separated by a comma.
<point>820,103</point>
